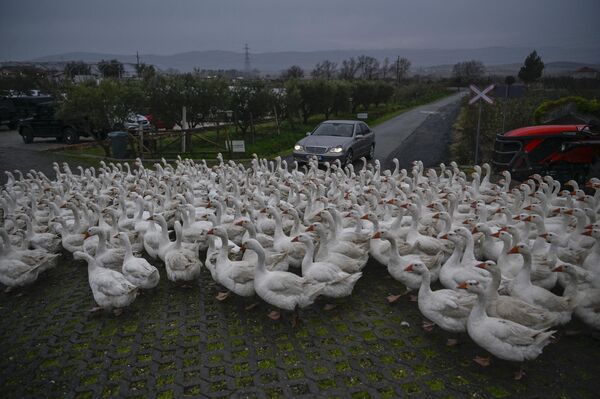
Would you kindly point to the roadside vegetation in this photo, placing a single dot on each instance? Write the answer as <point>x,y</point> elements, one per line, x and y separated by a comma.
<point>544,100</point>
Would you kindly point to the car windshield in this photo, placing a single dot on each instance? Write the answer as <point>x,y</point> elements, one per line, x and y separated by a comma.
<point>334,129</point>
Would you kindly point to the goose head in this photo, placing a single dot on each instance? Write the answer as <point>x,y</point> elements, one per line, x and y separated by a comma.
<point>473,286</point>
<point>416,267</point>
<point>520,248</point>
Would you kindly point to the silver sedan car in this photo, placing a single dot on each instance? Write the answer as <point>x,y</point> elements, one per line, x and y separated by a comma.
<point>345,140</point>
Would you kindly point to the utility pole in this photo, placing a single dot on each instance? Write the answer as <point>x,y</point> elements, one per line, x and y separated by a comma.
<point>398,71</point>
<point>247,67</point>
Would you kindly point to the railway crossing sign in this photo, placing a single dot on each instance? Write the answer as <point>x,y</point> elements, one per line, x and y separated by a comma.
<point>481,94</point>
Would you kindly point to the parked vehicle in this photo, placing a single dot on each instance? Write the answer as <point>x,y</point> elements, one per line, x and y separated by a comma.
<point>345,140</point>
<point>44,123</point>
<point>134,121</point>
<point>157,123</point>
<point>12,109</point>
<point>562,151</point>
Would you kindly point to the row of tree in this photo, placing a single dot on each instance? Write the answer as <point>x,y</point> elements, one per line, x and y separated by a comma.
<point>363,67</point>
<point>109,102</point>
<point>473,71</point>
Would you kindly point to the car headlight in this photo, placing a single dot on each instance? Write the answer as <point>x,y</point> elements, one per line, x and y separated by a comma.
<point>298,147</point>
<point>336,150</point>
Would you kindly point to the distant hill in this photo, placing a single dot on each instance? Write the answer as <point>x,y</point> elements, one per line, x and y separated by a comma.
<point>274,62</point>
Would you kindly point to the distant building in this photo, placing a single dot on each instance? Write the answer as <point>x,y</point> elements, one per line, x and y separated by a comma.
<point>586,73</point>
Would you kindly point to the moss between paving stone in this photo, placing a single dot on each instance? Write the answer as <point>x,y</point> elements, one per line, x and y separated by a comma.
<point>361,343</point>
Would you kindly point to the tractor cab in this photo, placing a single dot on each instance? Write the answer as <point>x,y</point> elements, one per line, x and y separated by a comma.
<point>562,151</point>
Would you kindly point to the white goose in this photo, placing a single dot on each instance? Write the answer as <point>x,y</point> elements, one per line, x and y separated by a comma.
<point>514,309</point>
<point>338,283</point>
<point>522,288</point>
<point>181,263</point>
<point>281,289</point>
<point>111,290</point>
<point>447,308</point>
<point>138,271</point>
<point>505,339</point>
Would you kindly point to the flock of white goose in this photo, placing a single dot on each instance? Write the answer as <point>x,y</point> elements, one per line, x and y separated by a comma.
<point>292,236</point>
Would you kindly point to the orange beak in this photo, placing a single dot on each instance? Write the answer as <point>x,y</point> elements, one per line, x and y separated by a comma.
<point>589,227</point>
<point>587,233</point>
<point>376,235</point>
<point>63,206</point>
<point>559,269</point>
<point>365,217</point>
<point>243,248</point>
<point>474,230</point>
<point>295,239</point>
<point>527,208</point>
<point>481,265</point>
<point>444,237</point>
<point>568,212</point>
<point>527,219</point>
<point>496,235</point>
<point>239,223</point>
<point>151,218</point>
<point>409,268</point>
<point>544,236</point>
<point>514,250</point>
<point>86,235</point>
<point>462,286</point>
<point>311,228</point>
<point>430,206</point>
<point>211,231</point>
<point>504,228</point>
<point>405,206</point>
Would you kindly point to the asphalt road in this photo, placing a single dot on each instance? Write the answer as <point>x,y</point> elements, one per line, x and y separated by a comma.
<point>14,154</point>
<point>391,134</point>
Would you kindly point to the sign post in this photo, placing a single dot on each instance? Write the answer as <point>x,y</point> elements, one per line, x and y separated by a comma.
<point>480,95</point>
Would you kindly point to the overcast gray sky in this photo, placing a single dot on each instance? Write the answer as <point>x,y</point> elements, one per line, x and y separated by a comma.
<point>32,28</point>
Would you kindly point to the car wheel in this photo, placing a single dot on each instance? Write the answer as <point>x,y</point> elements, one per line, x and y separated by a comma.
<point>371,154</point>
<point>349,158</point>
<point>27,134</point>
<point>70,136</point>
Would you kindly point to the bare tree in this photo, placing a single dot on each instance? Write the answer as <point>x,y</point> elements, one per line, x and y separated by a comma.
<point>400,69</point>
<point>325,70</point>
<point>349,68</point>
<point>369,67</point>
<point>293,72</point>
<point>468,71</point>
<point>385,68</point>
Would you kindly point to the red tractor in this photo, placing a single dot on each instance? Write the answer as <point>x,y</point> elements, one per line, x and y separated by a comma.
<point>562,151</point>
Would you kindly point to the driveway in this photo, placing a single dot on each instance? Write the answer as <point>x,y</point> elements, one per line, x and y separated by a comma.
<point>14,154</point>
<point>390,135</point>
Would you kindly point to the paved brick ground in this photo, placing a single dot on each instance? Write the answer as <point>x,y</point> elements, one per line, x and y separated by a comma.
<point>177,342</point>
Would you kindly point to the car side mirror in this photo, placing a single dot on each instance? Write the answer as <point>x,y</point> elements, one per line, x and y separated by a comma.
<point>308,133</point>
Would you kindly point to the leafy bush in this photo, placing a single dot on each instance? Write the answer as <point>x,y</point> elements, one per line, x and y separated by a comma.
<point>583,105</point>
